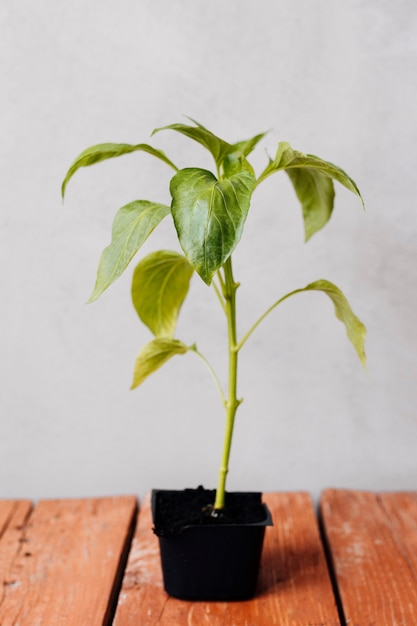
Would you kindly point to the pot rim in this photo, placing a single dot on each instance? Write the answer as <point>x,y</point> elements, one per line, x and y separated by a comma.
<point>267,521</point>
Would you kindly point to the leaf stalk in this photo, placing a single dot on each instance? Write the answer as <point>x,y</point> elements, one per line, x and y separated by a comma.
<point>212,372</point>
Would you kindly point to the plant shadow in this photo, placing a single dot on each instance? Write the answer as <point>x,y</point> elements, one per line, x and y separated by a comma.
<point>290,568</point>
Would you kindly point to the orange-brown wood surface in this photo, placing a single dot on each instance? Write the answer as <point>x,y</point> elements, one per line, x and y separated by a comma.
<point>373,542</point>
<point>294,586</point>
<point>60,563</point>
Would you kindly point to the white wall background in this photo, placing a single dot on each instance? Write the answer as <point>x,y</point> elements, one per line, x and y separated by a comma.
<point>334,78</point>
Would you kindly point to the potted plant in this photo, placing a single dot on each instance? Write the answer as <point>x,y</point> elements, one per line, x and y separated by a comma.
<point>209,210</point>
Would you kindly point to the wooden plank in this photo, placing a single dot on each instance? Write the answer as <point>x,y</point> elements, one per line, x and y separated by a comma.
<point>373,543</point>
<point>13,516</point>
<point>8,509</point>
<point>64,561</point>
<point>294,586</point>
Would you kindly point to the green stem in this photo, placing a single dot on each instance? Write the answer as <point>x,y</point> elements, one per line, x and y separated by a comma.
<point>261,319</point>
<point>222,283</point>
<point>219,293</point>
<point>232,403</point>
<point>212,372</point>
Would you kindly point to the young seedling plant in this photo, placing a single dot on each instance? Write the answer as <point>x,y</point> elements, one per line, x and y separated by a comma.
<point>209,210</point>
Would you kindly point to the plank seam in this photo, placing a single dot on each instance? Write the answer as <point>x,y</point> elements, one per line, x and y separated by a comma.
<point>331,566</point>
<point>121,567</point>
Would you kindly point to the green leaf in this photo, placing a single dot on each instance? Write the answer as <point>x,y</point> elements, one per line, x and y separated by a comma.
<point>232,157</point>
<point>246,146</point>
<point>356,331</point>
<point>315,192</point>
<point>104,151</point>
<point>153,355</point>
<point>131,227</point>
<point>235,161</point>
<point>209,216</point>
<point>312,179</point>
<point>159,287</point>
<point>216,146</point>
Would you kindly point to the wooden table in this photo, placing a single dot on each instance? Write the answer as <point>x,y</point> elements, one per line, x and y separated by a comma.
<point>95,562</point>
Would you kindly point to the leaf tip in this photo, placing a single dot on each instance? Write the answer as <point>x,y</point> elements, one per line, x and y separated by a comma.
<point>207,278</point>
<point>95,294</point>
<point>66,180</point>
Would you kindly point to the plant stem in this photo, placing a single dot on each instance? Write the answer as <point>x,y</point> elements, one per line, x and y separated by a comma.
<point>263,316</point>
<point>232,403</point>
<point>212,372</point>
<point>219,292</point>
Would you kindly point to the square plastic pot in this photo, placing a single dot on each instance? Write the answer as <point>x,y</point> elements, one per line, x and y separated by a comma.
<point>212,562</point>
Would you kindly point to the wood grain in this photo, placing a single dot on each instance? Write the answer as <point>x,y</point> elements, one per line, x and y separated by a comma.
<point>13,517</point>
<point>294,586</point>
<point>60,565</point>
<point>373,542</point>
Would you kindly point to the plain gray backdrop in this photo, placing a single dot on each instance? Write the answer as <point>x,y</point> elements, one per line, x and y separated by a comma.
<point>336,79</point>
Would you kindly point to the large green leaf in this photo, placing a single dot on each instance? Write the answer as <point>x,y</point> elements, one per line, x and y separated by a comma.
<point>153,355</point>
<point>312,179</point>
<point>356,331</point>
<point>131,227</point>
<point>159,287</point>
<point>209,216</point>
<point>104,151</point>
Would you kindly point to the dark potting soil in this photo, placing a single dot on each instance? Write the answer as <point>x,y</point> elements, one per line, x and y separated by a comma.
<point>176,509</point>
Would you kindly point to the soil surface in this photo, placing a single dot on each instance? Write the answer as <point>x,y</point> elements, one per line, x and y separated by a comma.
<point>177,509</point>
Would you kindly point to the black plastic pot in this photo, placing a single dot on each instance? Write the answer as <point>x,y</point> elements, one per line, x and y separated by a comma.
<point>212,562</point>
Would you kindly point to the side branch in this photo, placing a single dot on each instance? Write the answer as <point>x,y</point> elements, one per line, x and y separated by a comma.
<point>261,319</point>
<point>212,373</point>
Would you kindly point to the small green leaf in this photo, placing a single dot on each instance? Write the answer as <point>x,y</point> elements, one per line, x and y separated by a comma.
<point>216,146</point>
<point>315,192</point>
<point>131,227</point>
<point>232,157</point>
<point>312,179</point>
<point>104,151</point>
<point>235,161</point>
<point>153,355</point>
<point>209,216</point>
<point>356,331</point>
<point>246,146</point>
<point>159,287</point>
